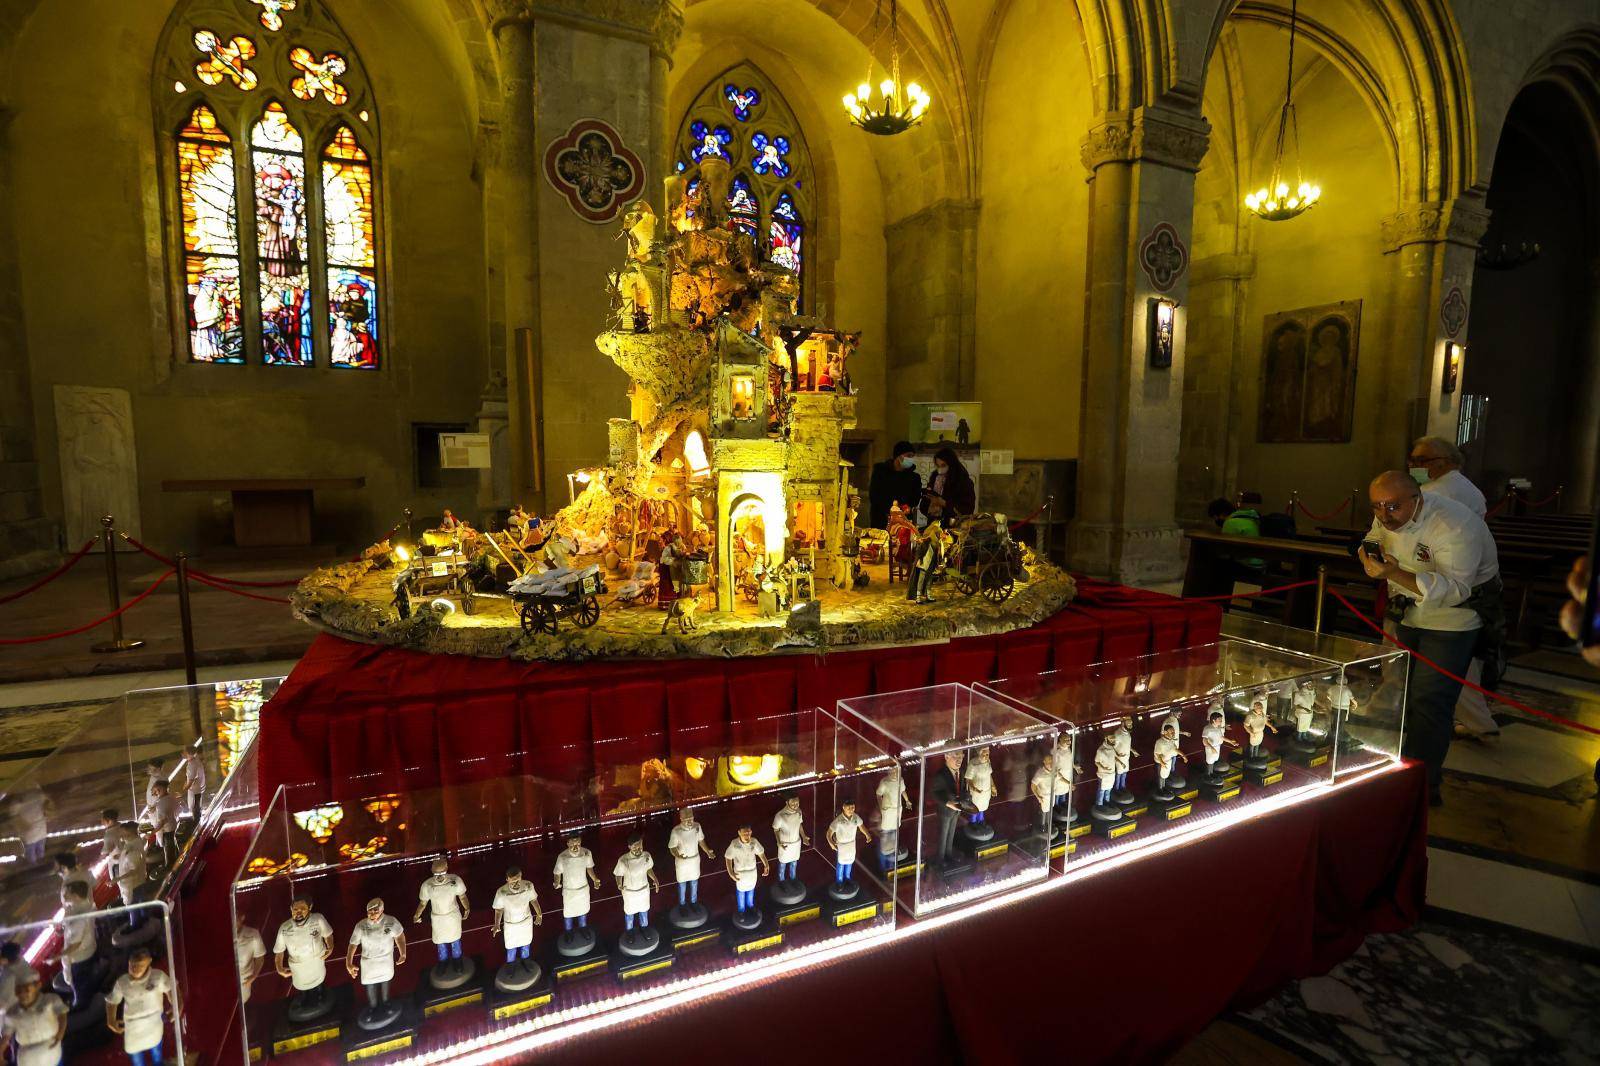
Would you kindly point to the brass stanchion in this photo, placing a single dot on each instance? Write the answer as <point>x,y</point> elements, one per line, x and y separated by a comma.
<point>1355,501</point>
<point>185,619</point>
<point>108,543</point>
<point>1322,593</point>
<point>1046,530</point>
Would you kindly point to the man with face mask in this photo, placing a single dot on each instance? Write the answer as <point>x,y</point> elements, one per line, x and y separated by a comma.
<point>1443,572</point>
<point>894,481</point>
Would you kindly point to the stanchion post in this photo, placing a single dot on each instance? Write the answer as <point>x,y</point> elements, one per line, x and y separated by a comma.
<point>1355,501</point>
<point>410,538</point>
<point>1322,593</point>
<point>1559,489</point>
<point>185,618</point>
<point>108,542</point>
<point>1294,504</point>
<point>1047,530</point>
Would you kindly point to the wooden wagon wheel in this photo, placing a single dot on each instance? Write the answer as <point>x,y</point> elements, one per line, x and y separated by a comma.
<point>530,619</point>
<point>587,612</point>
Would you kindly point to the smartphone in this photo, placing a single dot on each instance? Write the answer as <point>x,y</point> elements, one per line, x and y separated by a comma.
<point>1590,636</point>
<point>1373,549</point>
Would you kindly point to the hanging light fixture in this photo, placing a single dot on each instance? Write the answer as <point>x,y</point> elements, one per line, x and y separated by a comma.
<point>1277,201</point>
<point>897,106</point>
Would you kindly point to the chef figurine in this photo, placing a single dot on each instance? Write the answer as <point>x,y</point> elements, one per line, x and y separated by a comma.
<point>1043,788</point>
<point>687,842</point>
<point>1256,727</point>
<point>636,879</point>
<point>1122,739</point>
<point>145,995</point>
<point>380,941</point>
<point>79,943</point>
<point>68,870</point>
<point>1304,702</point>
<point>194,780</point>
<point>160,815</point>
<point>35,1022</point>
<point>249,955</point>
<point>1105,768</point>
<point>123,848</point>
<point>574,876</point>
<point>842,832</point>
<point>1342,703</point>
<point>516,911</point>
<point>1167,756</point>
<point>1283,698</point>
<point>979,776</point>
<point>1066,761</point>
<point>155,770</point>
<point>304,942</point>
<point>791,833</point>
<point>1175,779</point>
<point>444,897</point>
<point>1212,738</point>
<point>893,801</point>
<point>740,857</point>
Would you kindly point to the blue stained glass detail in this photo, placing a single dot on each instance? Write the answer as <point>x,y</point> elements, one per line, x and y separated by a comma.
<point>682,166</point>
<point>784,235</point>
<point>743,210</point>
<point>742,100</point>
<point>784,208</point>
<point>770,155</point>
<point>708,140</point>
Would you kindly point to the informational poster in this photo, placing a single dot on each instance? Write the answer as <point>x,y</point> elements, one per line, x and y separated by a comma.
<point>996,460</point>
<point>464,451</point>
<point>955,423</point>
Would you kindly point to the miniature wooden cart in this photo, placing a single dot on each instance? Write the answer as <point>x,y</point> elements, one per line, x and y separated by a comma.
<point>442,578</point>
<point>576,598</point>
<point>986,560</point>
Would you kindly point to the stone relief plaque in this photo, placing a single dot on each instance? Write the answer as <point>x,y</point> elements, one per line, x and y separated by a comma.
<point>99,466</point>
<point>1308,374</point>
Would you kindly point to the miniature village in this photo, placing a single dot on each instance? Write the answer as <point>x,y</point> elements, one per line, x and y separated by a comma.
<point>723,522</point>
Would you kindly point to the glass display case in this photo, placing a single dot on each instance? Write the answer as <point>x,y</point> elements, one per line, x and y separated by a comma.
<point>1164,742</point>
<point>1371,699</point>
<point>971,816</point>
<point>588,879</point>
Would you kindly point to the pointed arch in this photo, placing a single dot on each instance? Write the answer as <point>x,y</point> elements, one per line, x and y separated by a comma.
<point>209,222</point>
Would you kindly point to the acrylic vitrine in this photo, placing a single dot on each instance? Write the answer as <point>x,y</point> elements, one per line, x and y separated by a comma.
<point>570,882</point>
<point>1371,695</point>
<point>971,814</point>
<point>1164,742</point>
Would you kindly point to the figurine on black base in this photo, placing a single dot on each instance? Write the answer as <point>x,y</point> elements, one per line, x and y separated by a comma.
<point>1105,768</point>
<point>687,842</point>
<point>1175,779</point>
<point>979,776</point>
<point>35,1021</point>
<point>300,953</point>
<point>893,801</point>
<point>79,944</point>
<point>1066,762</point>
<point>636,879</point>
<point>444,897</point>
<point>123,848</point>
<point>842,832</point>
<point>1122,743</point>
<point>947,795</point>
<point>160,816</point>
<point>1167,758</point>
<point>574,877</point>
<point>740,857</point>
<point>380,941</point>
<point>1212,738</point>
<point>1341,705</point>
<point>516,911</point>
<point>145,995</point>
<point>1043,787</point>
<point>249,954</point>
<point>1304,702</point>
<point>194,781</point>
<point>788,827</point>
<point>1256,727</point>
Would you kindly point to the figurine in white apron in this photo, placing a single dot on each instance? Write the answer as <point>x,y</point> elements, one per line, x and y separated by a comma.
<point>516,912</point>
<point>1212,738</point>
<point>1105,768</point>
<point>1256,727</point>
<point>144,995</point>
<point>1122,741</point>
<point>1065,758</point>
<point>300,953</point>
<point>380,942</point>
<point>979,776</point>
<point>740,857</point>
<point>194,780</point>
<point>687,842</point>
<point>35,1021</point>
<point>635,872</point>
<point>574,877</point>
<point>1304,701</point>
<point>444,897</point>
<point>249,955</point>
<point>893,801</point>
<point>1043,788</point>
<point>1167,756</point>
<point>788,827</point>
<point>842,833</point>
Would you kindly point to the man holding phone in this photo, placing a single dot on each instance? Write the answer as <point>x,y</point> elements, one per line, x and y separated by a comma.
<point>1442,568</point>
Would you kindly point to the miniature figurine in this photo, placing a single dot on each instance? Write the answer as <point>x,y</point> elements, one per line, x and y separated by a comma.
<point>1122,739</point>
<point>1342,704</point>
<point>32,813</point>
<point>145,995</point>
<point>160,816</point>
<point>444,897</point>
<point>636,879</point>
<point>687,842</point>
<point>380,941</point>
<point>249,955</point>
<point>788,827</point>
<point>1067,769</point>
<point>1105,768</point>
<point>194,780</point>
<point>1042,786</point>
<point>1304,702</point>
<point>928,555</point>
<point>516,911</point>
<point>79,943</point>
<point>35,1021</point>
<point>1212,738</point>
<point>893,801</point>
<point>448,522</point>
<point>740,858</point>
<point>842,833</point>
<point>1283,697</point>
<point>1176,779</point>
<point>68,870</point>
<point>1167,757</point>
<point>154,771</point>
<point>1256,727</point>
<point>574,876</point>
<point>947,795</point>
<point>666,589</point>
<point>979,776</point>
<point>123,848</point>
<point>304,943</point>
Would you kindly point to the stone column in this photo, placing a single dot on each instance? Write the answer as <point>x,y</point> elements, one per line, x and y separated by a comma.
<point>1208,458</point>
<point>664,40</point>
<point>1434,246</point>
<point>1141,204</point>
<point>932,298</point>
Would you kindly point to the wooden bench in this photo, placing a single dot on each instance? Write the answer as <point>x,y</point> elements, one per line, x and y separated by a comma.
<point>269,512</point>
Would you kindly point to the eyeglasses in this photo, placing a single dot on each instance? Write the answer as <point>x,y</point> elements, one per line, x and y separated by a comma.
<point>1424,460</point>
<point>1392,506</point>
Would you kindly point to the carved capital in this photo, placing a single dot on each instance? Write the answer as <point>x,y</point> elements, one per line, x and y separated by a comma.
<point>1108,141</point>
<point>508,12</point>
<point>1460,221</point>
<point>647,20</point>
<point>668,27</point>
<point>1152,135</point>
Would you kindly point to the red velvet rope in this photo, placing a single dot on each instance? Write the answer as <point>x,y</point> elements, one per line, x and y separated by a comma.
<point>52,575</point>
<point>1497,508</point>
<point>1507,700</point>
<point>1335,513</point>
<point>209,583</point>
<point>201,575</point>
<point>1037,511</point>
<point>1544,502</point>
<point>97,622</point>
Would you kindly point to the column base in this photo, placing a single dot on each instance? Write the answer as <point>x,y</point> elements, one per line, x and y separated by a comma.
<point>1133,555</point>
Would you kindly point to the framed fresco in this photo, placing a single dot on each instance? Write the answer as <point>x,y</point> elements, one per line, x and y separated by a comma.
<point>1308,374</point>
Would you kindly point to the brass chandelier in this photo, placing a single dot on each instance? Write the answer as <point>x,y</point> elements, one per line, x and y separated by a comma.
<point>898,106</point>
<point>1277,201</point>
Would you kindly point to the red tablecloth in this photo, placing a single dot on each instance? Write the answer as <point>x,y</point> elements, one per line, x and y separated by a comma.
<point>358,719</point>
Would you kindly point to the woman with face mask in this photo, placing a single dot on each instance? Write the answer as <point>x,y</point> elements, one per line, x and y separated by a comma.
<point>950,492</point>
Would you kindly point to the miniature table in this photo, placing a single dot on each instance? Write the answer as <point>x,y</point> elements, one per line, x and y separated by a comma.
<point>269,512</point>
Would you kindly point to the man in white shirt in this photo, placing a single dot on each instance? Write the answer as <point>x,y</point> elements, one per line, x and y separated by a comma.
<point>1435,555</point>
<point>740,857</point>
<point>516,910</point>
<point>1213,738</point>
<point>145,995</point>
<point>1304,702</point>
<point>791,835</point>
<point>842,833</point>
<point>194,780</point>
<point>893,801</point>
<point>35,1022</point>
<point>249,954</point>
<point>301,950</point>
<point>78,940</point>
<point>1167,755</point>
<point>380,941</point>
<point>636,879</point>
<point>687,842</point>
<point>574,874</point>
<point>444,897</point>
<point>161,816</point>
<point>1436,464</point>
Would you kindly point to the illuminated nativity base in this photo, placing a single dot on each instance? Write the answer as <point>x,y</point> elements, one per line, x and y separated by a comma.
<point>355,601</point>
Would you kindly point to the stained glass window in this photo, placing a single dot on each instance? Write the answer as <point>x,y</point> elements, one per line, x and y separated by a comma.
<point>279,166</point>
<point>770,195</point>
<point>347,212</point>
<point>210,240</point>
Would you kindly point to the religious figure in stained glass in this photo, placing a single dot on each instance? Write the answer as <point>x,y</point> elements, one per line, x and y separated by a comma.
<point>785,233</point>
<point>272,12</point>
<point>744,213</point>
<point>709,141</point>
<point>279,162</point>
<point>210,240</point>
<point>349,239</point>
<point>318,76</point>
<point>225,60</point>
<point>742,100</point>
<point>769,153</point>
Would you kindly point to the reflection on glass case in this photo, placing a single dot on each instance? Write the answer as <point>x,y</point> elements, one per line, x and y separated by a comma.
<point>1167,741</point>
<point>1371,692</point>
<point>439,918</point>
<point>971,815</point>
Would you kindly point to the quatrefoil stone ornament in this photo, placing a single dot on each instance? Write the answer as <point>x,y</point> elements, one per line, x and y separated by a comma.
<point>594,170</point>
<point>318,76</point>
<point>225,60</point>
<point>272,12</point>
<point>1163,257</point>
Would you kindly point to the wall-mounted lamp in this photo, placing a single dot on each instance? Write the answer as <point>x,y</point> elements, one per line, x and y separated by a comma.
<point>1453,354</point>
<point>1162,318</point>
